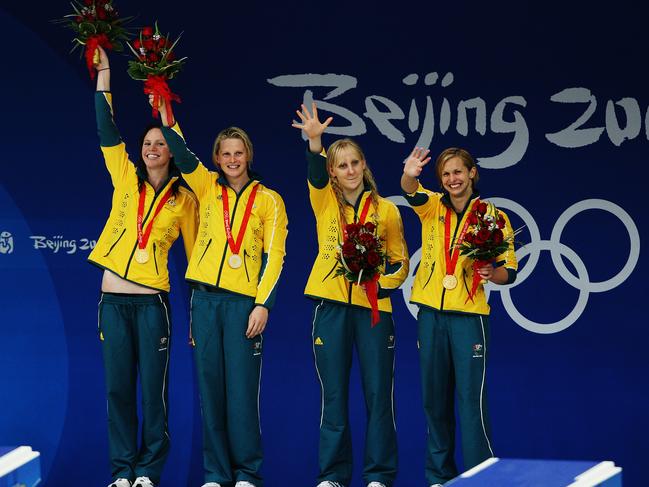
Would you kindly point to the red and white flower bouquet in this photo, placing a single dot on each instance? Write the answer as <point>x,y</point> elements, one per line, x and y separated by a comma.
<point>96,23</point>
<point>485,239</point>
<point>155,62</point>
<point>361,255</point>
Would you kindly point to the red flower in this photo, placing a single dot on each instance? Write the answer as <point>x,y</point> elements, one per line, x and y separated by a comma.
<point>484,234</point>
<point>373,259</point>
<point>370,227</point>
<point>367,239</point>
<point>161,42</point>
<point>354,267</point>
<point>469,238</point>
<point>473,219</point>
<point>497,236</point>
<point>482,208</point>
<point>87,3</point>
<point>352,229</point>
<point>500,222</point>
<point>101,14</point>
<point>137,44</point>
<point>147,31</point>
<point>348,249</point>
<point>78,19</point>
<point>171,56</point>
<point>152,57</point>
<point>148,44</point>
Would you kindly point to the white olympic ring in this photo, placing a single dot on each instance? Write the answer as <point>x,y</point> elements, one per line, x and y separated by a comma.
<point>557,250</point>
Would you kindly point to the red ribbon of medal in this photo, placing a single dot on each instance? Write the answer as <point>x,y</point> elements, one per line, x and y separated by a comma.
<point>236,246</point>
<point>453,255</point>
<point>143,237</point>
<point>371,287</point>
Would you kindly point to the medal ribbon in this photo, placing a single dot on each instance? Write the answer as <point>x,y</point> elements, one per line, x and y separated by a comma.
<point>235,246</point>
<point>451,258</point>
<point>364,211</point>
<point>143,238</point>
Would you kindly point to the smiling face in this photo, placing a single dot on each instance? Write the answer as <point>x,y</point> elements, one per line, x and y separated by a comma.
<point>457,179</point>
<point>232,158</point>
<point>347,168</point>
<point>155,151</point>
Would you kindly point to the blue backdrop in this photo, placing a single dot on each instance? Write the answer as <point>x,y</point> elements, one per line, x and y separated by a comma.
<point>550,98</point>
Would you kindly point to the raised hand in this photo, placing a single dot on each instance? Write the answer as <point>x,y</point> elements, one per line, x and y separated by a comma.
<point>103,71</point>
<point>415,163</point>
<point>312,126</point>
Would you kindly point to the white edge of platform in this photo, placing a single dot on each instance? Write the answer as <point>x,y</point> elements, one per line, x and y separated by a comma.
<point>16,458</point>
<point>481,466</point>
<point>596,475</point>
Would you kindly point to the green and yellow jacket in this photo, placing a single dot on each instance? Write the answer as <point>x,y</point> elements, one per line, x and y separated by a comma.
<point>323,282</point>
<point>116,245</point>
<point>427,289</point>
<point>263,246</point>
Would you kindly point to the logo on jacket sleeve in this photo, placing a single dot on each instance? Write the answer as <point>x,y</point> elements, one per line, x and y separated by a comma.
<point>256,348</point>
<point>478,350</point>
<point>164,342</point>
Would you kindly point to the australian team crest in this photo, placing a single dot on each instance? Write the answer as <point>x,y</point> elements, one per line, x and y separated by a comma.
<point>478,350</point>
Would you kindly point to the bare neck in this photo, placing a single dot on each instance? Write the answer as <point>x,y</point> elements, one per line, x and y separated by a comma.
<point>157,177</point>
<point>238,183</point>
<point>460,203</point>
<point>352,196</point>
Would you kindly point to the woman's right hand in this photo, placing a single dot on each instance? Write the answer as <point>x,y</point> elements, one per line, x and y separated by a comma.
<point>103,71</point>
<point>311,125</point>
<point>416,161</point>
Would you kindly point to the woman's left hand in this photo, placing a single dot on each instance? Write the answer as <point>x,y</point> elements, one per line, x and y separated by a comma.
<point>257,321</point>
<point>486,272</point>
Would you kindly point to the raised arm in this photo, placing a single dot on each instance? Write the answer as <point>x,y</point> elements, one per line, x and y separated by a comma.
<point>412,169</point>
<point>312,127</point>
<point>106,128</point>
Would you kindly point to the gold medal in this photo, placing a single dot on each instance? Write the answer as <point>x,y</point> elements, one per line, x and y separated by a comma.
<point>141,256</point>
<point>449,282</point>
<point>234,261</point>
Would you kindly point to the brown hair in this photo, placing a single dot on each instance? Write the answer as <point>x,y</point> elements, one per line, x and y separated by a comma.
<point>464,156</point>
<point>233,133</point>
<point>333,155</point>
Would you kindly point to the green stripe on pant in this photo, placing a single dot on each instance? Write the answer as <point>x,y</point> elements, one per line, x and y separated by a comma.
<point>228,366</point>
<point>135,332</point>
<point>453,352</point>
<point>336,329</point>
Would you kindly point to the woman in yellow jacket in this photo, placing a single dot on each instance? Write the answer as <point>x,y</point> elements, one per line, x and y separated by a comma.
<point>235,269</point>
<point>342,190</point>
<point>453,328</point>
<point>149,211</point>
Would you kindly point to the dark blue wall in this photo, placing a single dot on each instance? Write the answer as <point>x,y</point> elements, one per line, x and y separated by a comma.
<point>568,365</point>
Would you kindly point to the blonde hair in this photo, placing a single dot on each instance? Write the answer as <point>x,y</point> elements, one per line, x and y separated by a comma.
<point>333,155</point>
<point>233,133</point>
<point>464,156</point>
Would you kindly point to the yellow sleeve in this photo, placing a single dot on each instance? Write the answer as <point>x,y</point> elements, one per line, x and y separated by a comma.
<point>398,262</point>
<point>422,200</point>
<point>509,256</point>
<point>275,232</point>
<point>189,223</point>
<point>197,176</point>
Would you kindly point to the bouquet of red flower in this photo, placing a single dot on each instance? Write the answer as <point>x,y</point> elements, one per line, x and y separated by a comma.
<point>484,239</point>
<point>155,63</point>
<point>96,23</point>
<point>360,256</point>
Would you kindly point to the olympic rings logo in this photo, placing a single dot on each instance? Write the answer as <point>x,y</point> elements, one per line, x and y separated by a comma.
<point>557,250</point>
